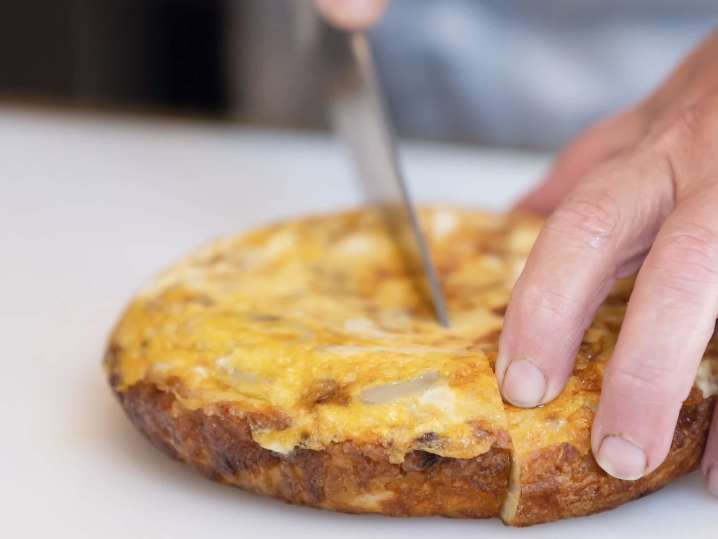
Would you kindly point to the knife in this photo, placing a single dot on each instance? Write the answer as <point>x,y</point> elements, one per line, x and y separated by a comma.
<point>359,115</point>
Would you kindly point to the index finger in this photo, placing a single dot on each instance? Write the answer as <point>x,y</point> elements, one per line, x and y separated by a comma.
<point>599,233</point>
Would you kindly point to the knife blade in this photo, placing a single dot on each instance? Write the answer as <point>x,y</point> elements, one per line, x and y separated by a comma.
<point>359,115</point>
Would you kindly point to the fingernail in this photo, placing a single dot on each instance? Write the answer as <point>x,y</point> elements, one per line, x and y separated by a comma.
<point>349,8</point>
<point>621,459</point>
<point>712,480</point>
<point>524,384</point>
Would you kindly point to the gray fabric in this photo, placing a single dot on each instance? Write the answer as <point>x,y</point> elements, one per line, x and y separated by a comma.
<point>501,72</point>
<point>528,73</point>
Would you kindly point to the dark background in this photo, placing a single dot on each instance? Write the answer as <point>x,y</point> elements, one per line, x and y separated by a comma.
<point>146,53</point>
<point>508,73</point>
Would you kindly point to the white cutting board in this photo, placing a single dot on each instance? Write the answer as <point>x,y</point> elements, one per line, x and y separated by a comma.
<point>91,206</point>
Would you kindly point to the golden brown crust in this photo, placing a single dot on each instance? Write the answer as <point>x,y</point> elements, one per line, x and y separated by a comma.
<point>560,482</point>
<point>300,362</point>
<point>557,483</point>
<point>343,477</point>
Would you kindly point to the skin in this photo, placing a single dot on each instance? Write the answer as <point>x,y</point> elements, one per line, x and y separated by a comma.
<point>637,192</point>
<point>351,14</point>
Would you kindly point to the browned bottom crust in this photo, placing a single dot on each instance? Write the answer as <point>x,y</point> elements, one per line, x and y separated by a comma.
<point>555,483</point>
<point>344,477</point>
<point>560,483</point>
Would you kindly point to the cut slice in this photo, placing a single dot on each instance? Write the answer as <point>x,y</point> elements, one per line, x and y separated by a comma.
<point>554,474</point>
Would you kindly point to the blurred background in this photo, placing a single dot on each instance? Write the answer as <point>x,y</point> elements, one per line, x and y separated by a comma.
<point>101,187</point>
<point>510,73</point>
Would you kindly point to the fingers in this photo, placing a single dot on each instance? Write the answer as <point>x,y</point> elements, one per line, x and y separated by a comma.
<point>592,147</point>
<point>670,318</point>
<point>672,311</point>
<point>608,221</point>
<point>352,14</point>
<point>710,457</point>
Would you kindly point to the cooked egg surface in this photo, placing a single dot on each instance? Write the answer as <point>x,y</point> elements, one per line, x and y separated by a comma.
<point>320,322</point>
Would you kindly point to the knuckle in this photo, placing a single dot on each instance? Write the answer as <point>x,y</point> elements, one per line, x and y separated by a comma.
<point>680,128</point>
<point>550,303</point>
<point>686,261</point>
<point>589,221</point>
<point>688,122</point>
<point>681,139</point>
<point>649,379</point>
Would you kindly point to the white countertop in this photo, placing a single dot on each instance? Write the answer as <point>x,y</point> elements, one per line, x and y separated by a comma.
<point>90,207</point>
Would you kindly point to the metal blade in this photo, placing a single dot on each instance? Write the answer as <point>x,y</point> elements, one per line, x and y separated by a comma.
<point>359,115</point>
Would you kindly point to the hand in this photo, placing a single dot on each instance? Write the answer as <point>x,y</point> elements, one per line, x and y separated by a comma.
<point>351,14</point>
<point>638,191</point>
